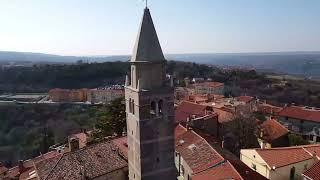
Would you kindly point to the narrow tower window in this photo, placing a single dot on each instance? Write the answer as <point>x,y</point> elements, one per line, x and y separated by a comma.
<point>133,106</point>
<point>130,106</point>
<point>153,108</point>
<point>160,106</point>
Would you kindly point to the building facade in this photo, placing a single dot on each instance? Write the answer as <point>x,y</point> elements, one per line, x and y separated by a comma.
<point>209,88</point>
<point>150,109</point>
<point>66,95</point>
<point>104,96</point>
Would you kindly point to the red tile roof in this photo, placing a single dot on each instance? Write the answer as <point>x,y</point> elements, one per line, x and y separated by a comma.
<point>279,157</point>
<point>269,109</point>
<point>187,109</point>
<point>220,172</point>
<point>245,172</point>
<point>272,130</point>
<point>44,167</point>
<point>46,156</point>
<point>26,175</point>
<point>210,84</point>
<point>2,169</point>
<point>179,130</point>
<point>98,159</point>
<point>122,144</point>
<point>313,173</point>
<point>196,151</point>
<point>313,149</point>
<point>245,99</point>
<point>13,173</point>
<point>223,116</point>
<point>302,113</point>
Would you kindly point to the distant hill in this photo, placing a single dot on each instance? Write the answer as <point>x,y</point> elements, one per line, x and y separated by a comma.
<point>297,63</point>
<point>8,56</point>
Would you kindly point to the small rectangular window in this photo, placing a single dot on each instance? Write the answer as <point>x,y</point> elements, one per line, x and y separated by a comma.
<point>254,167</point>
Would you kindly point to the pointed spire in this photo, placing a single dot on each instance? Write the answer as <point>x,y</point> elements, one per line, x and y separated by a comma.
<point>147,47</point>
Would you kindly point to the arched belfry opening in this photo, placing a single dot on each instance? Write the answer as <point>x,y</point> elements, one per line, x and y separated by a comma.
<point>160,107</point>
<point>153,108</point>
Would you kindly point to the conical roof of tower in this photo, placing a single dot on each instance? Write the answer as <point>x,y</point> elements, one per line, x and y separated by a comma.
<point>147,47</point>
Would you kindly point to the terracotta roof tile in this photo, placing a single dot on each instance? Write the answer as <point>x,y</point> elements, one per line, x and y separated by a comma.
<point>97,160</point>
<point>279,157</point>
<point>188,109</point>
<point>269,109</point>
<point>313,149</point>
<point>301,113</point>
<point>223,116</point>
<point>313,173</point>
<point>196,151</point>
<point>179,130</point>
<point>122,144</point>
<point>272,130</point>
<point>245,172</point>
<point>2,169</point>
<point>44,167</point>
<point>209,84</point>
<point>220,172</point>
<point>245,99</point>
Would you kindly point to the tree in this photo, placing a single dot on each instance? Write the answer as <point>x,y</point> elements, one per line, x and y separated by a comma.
<point>296,140</point>
<point>241,132</point>
<point>111,120</point>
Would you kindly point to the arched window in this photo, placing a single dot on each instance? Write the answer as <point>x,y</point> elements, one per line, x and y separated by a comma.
<point>133,106</point>
<point>153,108</point>
<point>130,106</point>
<point>292,173</point>
<point>160,107</point>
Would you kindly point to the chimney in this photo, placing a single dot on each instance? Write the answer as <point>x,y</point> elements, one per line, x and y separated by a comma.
<point>73,144</point>
<point>21,167</point>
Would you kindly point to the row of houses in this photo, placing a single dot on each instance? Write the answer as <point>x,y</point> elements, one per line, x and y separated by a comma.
<point>94,96</point>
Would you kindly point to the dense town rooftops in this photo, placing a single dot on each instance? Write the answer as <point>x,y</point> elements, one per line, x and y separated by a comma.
<point>271,130</point>
<point>302,113</point>
<point>313,173</point>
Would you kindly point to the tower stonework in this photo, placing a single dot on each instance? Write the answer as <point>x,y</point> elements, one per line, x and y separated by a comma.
<point>149,109</point>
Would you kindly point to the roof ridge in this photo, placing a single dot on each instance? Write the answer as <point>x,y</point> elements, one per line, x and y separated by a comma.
<point>54,166</point>
<point>290,147</point>
<point>234,169</point>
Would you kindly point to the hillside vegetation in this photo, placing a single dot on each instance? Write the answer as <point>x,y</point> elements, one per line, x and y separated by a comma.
<point>238,82</point>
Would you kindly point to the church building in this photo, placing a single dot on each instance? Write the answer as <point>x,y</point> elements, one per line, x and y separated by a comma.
<point>150,109</point>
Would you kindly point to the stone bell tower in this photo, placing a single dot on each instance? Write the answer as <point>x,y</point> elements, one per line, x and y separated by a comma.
<point>149,107</point>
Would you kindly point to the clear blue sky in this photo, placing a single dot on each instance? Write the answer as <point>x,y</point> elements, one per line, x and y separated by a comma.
<point>109,27</point>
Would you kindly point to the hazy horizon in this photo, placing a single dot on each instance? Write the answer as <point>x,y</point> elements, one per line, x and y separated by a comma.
<point>107,28</point>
